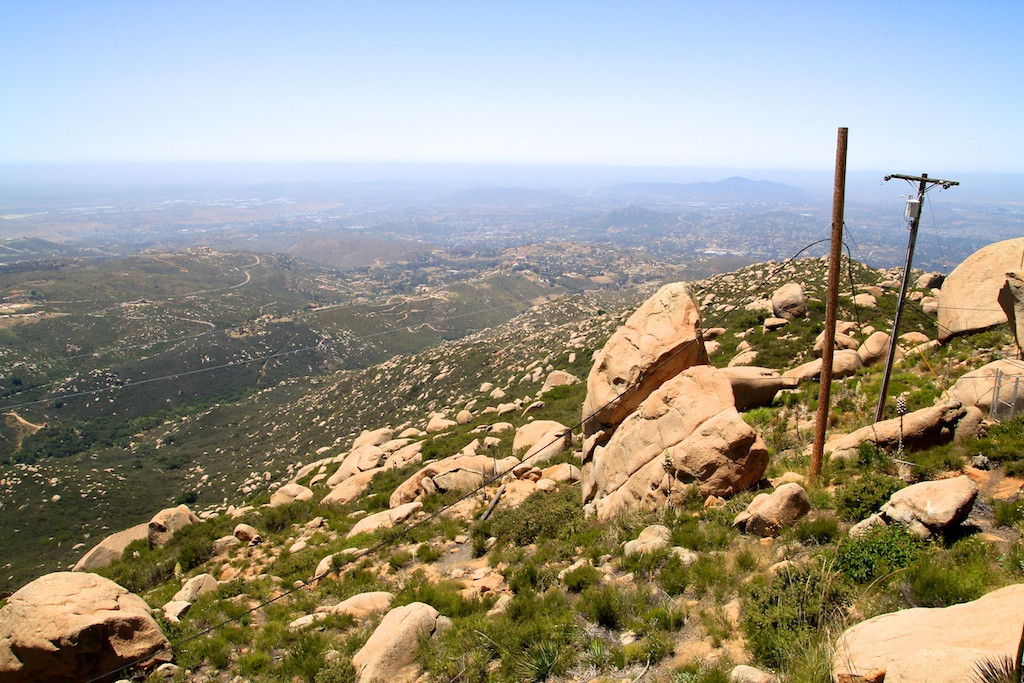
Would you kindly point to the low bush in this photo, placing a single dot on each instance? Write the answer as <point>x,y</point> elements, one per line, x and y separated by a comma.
<point>819,531</point>
<point>961,574</point>
<point>786,612</point>
<point>674,577</point>
<point>860,498</point>
<point>877,553</point>
<point>426,553</point>
<point>541,515</point>
<point>581,578</point>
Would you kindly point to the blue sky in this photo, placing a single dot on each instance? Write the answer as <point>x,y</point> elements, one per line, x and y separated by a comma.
<point>921,85</point>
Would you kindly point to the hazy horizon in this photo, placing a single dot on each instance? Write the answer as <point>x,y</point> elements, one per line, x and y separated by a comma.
<point>652,85</point>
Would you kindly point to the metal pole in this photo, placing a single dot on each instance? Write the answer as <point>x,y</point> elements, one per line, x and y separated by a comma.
<point>828,352</point>
<point>890,356</point>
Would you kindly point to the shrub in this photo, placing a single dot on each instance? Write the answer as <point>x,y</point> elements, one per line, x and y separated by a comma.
<point>581,578</point>
<point>541,515</point>
<point>785,612</point>
<point>710,575</point>
<point>339,671</point>
<point>674,576</point>
<point>860,498</point>
<point>604,605</point>
<point>877,553</point>
<point>399,559</point>
<point>427,553</point>
<point>819,531</point>
<point>1008,514</point>
<point>962,574</point>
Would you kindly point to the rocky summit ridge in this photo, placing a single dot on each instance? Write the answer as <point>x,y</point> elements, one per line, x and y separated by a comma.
<point>493,510</point>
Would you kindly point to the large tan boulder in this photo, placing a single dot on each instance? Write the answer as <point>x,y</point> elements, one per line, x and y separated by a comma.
<point>977,387</point>
<point>195,587</point>
<point>920,429</point>
<point>374,437</point>
<point>351,488</point>
<point>654,537</point>
<point>384,520</point>
<point>358,607</point>
<point>439,423</point>
<point>969,298</point>
<point>366,457</point>
<point>166,522</point>
<point>558,378</point>
<point>685,434</point>
<point>457,472</point>
<point>932,506</point>
<point>875,348</point>
<point>541,439</point>
<point>753,386</point>
<point>844,364</point>
<point>389,656</point>
<point>1011,298</point>
<point>769,513</point>
<point>110,549</point>
<point>932,645</point>
<point>73,627</point>
<point>842,341</point>
<point>658,341</point>
<point>289,493</point>
<point>789,301</point>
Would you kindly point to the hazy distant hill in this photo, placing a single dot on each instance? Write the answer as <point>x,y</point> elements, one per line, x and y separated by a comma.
<point>730,190</point>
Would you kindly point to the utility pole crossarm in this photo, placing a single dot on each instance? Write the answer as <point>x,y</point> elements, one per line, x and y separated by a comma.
<point>946,184</point>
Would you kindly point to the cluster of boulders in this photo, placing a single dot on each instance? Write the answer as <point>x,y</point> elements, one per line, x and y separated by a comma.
<point>658,419</point>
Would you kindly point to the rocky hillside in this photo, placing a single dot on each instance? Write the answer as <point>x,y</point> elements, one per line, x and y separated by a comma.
<point>600,489</point>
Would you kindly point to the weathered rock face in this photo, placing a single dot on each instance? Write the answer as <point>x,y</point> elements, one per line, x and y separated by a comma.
<point>1011,298</point>
<point>932,505</point>
<point>768,513</point>
<point>969,298</point>
<point>351,488</point>
<point>920,429</point>
<point>358,606</point>
<point>977,387</point>
<point>875,348</point>
<point>929,280</point>
<point>541,439</point>
<point>74,626</point>
<point>195,587</point>
<point>753,386</point>
<point>390,653</point>
<point>932,645</point>
<point>166,522</point>
<point>654,537</point>
<point>373,438</point>
<point>458,472</point>
<point>290,493</point>
<point>384,520</point>
<point>110,549</point>
<point>558,378</point>
<point>686,433</point>
<point>788,301</point>
<point>657,342</point>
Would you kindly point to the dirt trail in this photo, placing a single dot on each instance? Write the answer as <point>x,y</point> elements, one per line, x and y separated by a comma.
<point>22,422</point>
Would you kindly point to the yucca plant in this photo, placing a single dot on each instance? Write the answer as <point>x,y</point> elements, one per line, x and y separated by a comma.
<point>1002,670</point>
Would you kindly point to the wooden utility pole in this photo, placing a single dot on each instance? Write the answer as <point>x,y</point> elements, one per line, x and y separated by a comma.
<point>913,214</point>
<point>835,254</point>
